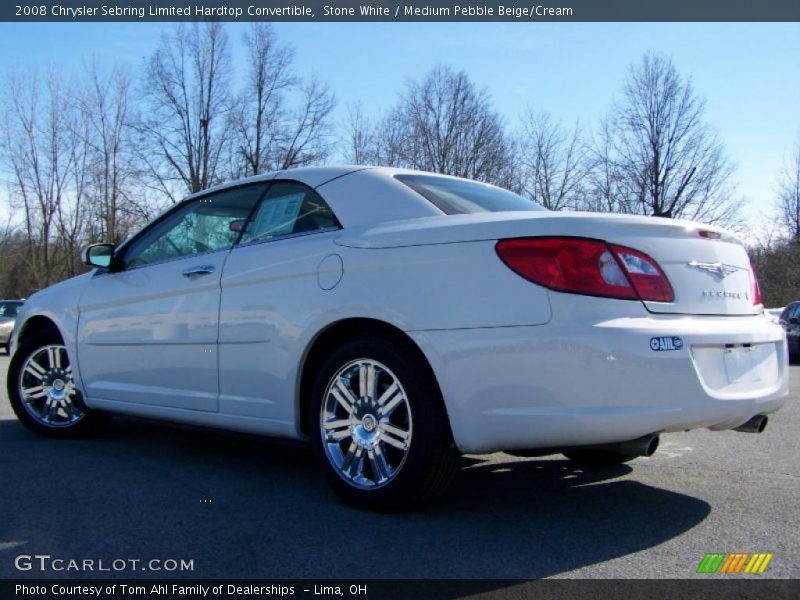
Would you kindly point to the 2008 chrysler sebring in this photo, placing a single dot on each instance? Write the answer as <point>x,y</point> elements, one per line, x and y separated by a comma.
<point>397,319</point>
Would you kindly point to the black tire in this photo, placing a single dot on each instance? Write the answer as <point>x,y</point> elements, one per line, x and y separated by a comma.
<point>597,458</point>
<point>88,424</point>
<point>431,458</point>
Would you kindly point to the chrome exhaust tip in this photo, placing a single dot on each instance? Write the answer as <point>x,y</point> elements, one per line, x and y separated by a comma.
<point>643,446</point>
<point>755,425</point>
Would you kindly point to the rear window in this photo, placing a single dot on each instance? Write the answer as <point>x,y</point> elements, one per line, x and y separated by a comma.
<point>461,197</point>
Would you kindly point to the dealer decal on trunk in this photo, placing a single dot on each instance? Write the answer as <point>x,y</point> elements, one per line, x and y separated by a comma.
<point>659,344</point>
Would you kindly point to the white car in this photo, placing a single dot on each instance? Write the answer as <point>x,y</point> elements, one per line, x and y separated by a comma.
<point>397,319</point>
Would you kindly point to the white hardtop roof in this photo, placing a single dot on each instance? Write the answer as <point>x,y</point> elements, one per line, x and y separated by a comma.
<point>312,176</point>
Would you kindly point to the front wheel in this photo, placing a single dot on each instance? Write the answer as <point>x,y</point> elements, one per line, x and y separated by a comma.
<point>42,390</point>
<point>379,425</point>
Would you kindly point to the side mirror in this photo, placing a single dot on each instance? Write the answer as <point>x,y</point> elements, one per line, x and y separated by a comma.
<point>98,255</point>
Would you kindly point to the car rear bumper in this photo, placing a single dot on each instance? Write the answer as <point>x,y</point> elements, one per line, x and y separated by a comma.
<point>584,381</point>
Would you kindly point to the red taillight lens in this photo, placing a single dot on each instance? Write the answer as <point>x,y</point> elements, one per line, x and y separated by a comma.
<point>586,266</point>
<point>646,276</point>
<point>756,289</point>
<point>567,264</point>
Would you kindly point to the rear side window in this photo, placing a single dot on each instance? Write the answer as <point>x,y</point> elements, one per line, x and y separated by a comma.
<point>461,197</point>
<point>289,208</point>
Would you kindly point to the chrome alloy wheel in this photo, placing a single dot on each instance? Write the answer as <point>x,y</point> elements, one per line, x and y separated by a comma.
<point>365,423</point>
<point>47,389</point>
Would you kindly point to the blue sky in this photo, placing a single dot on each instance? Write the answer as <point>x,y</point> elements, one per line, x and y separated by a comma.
<point>748,73</point>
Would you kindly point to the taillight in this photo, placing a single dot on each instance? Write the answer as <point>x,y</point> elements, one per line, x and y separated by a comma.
<point>756,289</point>
<point>646,276</point>
<point>586,266</point>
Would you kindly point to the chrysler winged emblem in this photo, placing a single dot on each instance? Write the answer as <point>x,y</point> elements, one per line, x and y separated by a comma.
<point>718,269</point>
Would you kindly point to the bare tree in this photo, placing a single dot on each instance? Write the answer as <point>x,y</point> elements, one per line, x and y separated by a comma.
<point>16,279</point>
<point>187,93</point>
<point>279,122</point>
<point>306,139</point>
<point>604,181</point>
<point>71,214</point>
<point>261,109</point>
<point>6,234</point>
<point>41,151</point>
<point>776,261</point>
<point>446,125</point>
<point>663,158</point>
<point>104,104</point>
<point>552,162</point>
<point>360,137</point>
<point>789,195</point>
<point>389,142</point>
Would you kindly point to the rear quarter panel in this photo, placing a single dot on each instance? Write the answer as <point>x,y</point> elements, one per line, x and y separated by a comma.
<point>442,286</point>
<point>273,307</point>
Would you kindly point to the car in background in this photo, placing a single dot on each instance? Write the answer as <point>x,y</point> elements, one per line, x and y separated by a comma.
<point>397,319</point>
<point>774,314</point>
<point>790,320</point>
<point>8,316</point>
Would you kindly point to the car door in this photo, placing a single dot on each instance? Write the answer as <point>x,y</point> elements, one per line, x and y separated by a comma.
<point>274,284</point>
<point>148,327</point>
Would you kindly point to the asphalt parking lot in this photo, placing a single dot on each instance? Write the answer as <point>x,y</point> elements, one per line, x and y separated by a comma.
<point>241,506</point>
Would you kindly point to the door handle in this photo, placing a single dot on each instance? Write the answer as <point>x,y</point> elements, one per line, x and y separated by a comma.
<point>192,272</point>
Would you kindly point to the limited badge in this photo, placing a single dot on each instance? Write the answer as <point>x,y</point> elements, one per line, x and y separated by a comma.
<point>659,344</point>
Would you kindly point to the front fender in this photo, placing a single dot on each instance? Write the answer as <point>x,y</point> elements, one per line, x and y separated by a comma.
<point>59,304</point>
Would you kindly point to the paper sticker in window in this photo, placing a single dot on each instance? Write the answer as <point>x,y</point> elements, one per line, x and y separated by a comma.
<point>277,216</point>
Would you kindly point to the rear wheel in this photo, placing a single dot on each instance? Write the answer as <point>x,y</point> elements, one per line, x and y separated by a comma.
<point>379,425</point>
<point>42,391</point>
<point>597,458</point>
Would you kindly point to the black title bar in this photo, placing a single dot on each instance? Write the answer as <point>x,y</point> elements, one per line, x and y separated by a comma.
<point>708,588</point>
<point>535,11</point>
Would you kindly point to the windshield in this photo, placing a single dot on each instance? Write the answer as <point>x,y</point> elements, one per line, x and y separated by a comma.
<point>460,196</point>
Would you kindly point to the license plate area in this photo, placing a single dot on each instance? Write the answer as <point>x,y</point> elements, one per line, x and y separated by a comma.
<point>734,370</point>
<point>742,363</point>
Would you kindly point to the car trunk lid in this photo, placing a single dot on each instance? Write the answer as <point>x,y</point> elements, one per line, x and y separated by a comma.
<point>708,267</point>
